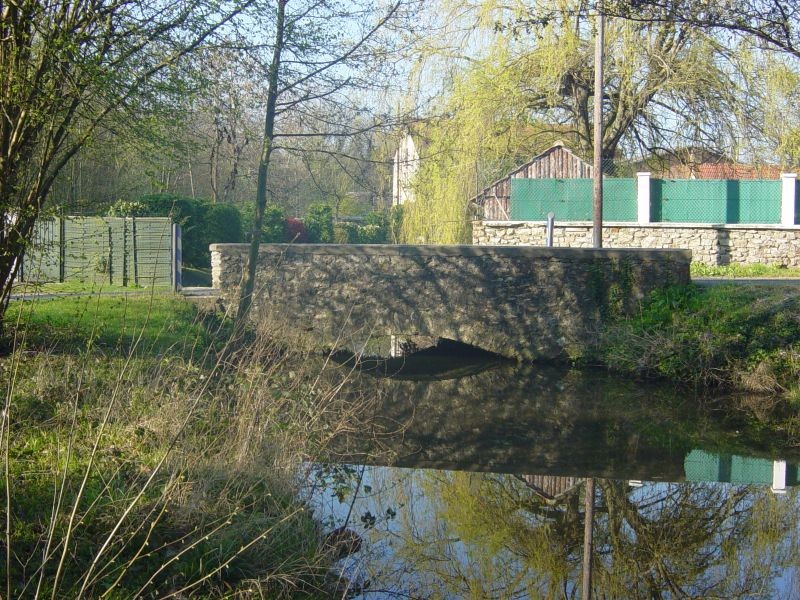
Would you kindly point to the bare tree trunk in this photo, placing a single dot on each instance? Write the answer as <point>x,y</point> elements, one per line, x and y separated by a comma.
<point>246,293</point>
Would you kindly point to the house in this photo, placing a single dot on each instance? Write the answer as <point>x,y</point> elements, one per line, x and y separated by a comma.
<point>557,162</point>
<point>702,163</point>
<point>404,168</point>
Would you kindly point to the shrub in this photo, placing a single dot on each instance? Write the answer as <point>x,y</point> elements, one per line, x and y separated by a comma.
<point>296,231</point>
<point>273,228</point>
<point>202,223</point>
<point>319,223</point>
<point>223,224</point>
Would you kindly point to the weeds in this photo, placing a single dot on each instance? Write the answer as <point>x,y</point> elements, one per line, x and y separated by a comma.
<point>157,457</point>
<point>745,338</point>
<point>741,270</point>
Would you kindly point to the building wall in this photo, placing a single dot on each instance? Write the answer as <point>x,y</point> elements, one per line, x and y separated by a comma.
<point>405,166</point>
<point>710,244</point>
<point>531,303</point>
<point>554,163</point>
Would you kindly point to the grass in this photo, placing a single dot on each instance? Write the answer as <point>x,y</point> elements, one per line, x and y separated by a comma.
<point>162,467</point>
<point>153,323</point>
<point>746,271</point>
<point>733,337</point>
<point>83,287</point>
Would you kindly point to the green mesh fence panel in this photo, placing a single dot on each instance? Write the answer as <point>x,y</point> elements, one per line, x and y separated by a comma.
<point>729,201</point>
<point>703,466</point>
<point>571,199</point>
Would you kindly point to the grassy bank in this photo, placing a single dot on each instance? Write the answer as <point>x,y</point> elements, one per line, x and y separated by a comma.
<point>743,338</point>
<point>143,457</point>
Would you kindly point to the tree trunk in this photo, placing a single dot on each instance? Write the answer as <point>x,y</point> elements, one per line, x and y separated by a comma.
<point>246,293</point>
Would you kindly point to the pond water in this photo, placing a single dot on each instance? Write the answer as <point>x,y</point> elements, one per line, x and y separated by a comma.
<point>469,479</point>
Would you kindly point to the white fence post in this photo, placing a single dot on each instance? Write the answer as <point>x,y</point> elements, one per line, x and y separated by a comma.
<point>788,194</point>
<point>643,198</point>
<point>779,477</point>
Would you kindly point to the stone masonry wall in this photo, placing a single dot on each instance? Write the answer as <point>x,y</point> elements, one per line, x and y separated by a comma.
<point>531,303</point>
<point>710,244</point>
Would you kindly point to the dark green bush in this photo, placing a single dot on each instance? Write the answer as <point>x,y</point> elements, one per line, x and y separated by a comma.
<point>273,228</point>
<point>202,223</point>
<point>319,224</point>
<point>223,224</point>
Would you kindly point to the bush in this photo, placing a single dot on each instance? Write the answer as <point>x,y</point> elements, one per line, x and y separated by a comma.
<point>319,224</point>
<point>273,228</point>
<point>223,224</point>
<point>296,231</point>
<point>345,233</point>
<point>202,223</point>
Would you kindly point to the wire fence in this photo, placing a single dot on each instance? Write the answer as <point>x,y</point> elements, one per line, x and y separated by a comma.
<point>127,251</point>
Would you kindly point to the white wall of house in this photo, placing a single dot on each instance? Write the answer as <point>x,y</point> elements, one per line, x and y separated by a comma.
<point>406,163</point>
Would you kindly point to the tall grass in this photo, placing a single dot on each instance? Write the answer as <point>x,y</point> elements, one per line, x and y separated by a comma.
<point>158,464</point>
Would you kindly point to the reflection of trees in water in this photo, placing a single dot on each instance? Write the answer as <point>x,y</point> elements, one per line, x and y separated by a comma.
<point>491,536</point>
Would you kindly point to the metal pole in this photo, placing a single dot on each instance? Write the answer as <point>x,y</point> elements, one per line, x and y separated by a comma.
<point>551,219</point>
<point>588,530</point>
<point>597,203</point>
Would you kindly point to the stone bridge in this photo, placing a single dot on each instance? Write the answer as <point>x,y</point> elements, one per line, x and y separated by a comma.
<point>525,302</point>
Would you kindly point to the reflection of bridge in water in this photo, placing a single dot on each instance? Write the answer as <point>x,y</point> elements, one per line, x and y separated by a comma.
<point>541,423</point>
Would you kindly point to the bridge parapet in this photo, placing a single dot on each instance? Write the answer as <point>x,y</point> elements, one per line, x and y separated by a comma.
<point>527,302</point>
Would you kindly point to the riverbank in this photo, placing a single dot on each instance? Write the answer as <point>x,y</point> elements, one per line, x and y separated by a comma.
<point>145,457</point>
<point>727,337</point>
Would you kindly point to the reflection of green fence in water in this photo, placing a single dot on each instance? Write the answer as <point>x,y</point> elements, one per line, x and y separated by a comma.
<point>113,250</point>
<point>740,470</point>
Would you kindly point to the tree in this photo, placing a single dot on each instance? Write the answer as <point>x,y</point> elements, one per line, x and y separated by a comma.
<point>324,58</point>
<point>776,23</point>
<point>667,85</point>
<point>69,68</point>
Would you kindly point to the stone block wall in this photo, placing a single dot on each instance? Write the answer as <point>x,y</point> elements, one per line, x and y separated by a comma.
<point>710,244</point>
<point>531,303</point>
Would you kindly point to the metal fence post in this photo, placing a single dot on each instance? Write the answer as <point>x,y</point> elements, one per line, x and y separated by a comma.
<point>125,251</point>
<point>62,250</point>
<point>110,256</point>
<point>551,221</point>
<point>177,258</point>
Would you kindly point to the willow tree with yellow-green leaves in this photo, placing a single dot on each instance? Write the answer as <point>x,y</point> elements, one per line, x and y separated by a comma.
<point>668,86</point>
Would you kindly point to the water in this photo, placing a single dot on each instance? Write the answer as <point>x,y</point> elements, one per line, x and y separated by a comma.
<point>468,482</point>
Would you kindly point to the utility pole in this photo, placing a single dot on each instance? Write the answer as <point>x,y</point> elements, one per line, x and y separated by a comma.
<point>597,201</point>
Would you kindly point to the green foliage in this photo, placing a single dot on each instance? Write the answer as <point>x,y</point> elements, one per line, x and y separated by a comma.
<point>273,228</point>
<point>126,208</point>
<point>319,224</point>
<point>738,270</point>
<point>374,230</point>
<point>223,224</point>
<point>729,336</point>
<point>202,223</point>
